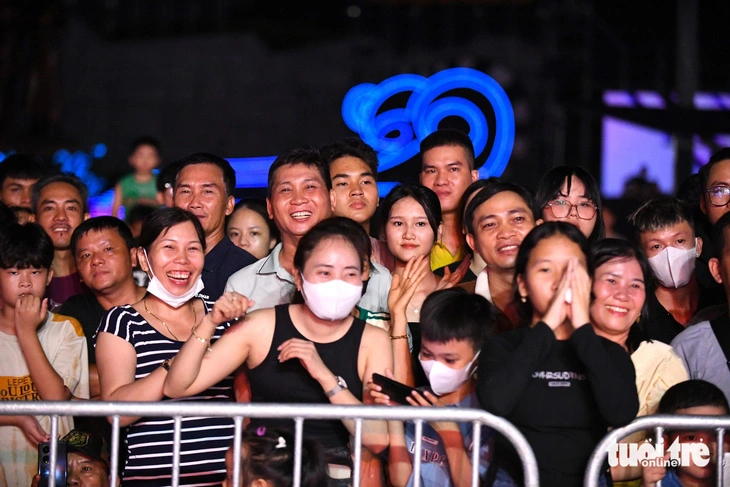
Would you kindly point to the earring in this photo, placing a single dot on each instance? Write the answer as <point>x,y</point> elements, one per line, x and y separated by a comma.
<point>523,299</point>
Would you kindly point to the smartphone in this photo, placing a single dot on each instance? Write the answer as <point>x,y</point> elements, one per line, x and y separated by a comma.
<point>44,463</point>
<point>396,391</point>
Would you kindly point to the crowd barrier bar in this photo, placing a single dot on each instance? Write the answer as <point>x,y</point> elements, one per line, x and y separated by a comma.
<point>298,412</point>
<point>659,423</point>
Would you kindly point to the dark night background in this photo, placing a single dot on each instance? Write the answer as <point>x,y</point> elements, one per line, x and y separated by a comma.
<point>252,78</point>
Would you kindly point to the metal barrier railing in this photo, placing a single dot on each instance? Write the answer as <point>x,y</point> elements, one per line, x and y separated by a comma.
<point>659,423</point>
<point>298,412</point>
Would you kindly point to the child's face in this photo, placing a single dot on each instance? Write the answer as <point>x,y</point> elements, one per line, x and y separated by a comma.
<point>709,438</point>
<point>455,354</point>
<point>228,482</point>
<point>15,283</point>
<point>144,158</point>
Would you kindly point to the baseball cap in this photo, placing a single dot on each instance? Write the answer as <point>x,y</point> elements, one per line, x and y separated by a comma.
<point>88,444</point>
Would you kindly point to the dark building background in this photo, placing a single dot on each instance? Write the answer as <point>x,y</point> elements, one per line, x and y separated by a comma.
<point>251,78</point>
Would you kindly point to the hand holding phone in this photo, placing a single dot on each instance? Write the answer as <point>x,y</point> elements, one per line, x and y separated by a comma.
<point>396,391</point>
<point>44,463</point>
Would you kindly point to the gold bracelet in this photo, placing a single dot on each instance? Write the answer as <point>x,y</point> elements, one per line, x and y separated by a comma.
<point>398,337</point>
<point>205,341</point>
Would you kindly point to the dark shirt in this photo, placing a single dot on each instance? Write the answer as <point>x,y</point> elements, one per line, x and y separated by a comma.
<point>223,260</point>
<point>563,395</point>
<point>468,277</point>
<point>62,288</point>
<point>660,325</point>
<point>87,310</point>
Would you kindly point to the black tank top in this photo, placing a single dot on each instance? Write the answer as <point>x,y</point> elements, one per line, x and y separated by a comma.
<point>288,382</point>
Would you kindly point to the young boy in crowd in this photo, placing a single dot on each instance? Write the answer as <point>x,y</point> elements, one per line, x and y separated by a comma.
<point>455,324</point>
<point>140,187</point>
<point>692,397</point>
<point>664,228</point>
<point>43,355</point>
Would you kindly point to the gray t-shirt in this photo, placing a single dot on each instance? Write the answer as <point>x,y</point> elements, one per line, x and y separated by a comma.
<point>702,355</point>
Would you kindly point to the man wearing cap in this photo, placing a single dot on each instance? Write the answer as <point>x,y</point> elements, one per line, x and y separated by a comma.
<point>87,461</point>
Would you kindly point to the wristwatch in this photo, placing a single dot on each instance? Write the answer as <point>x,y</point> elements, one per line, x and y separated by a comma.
<point>341,386</point>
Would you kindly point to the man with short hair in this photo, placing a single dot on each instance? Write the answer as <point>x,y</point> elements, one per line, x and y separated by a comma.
<point>447,167</point>
<point>353,167</point>
<point>715,184</point>
<point>61,203</point>
<point>87,460</point>
<point>298,198</point>
<point>705,347</point>
<point>497,219</point>
<point>204,186</point>
<point>18,174</point>
<point>103,250</point>
<point>664,228</point>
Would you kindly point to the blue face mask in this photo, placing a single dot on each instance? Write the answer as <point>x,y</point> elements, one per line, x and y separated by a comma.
<point>156,288</point>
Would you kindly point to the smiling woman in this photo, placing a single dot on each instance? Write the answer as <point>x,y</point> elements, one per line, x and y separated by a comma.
<point>136,343</point>
<point>622,278</point>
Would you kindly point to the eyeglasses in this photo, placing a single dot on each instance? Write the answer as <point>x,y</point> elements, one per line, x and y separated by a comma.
<point>562,208</point>
<point>719,195</point>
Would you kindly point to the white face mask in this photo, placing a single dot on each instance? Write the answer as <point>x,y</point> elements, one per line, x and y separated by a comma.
<point>444,379</point>
<point>156,288</point>
<point>331,300</point>
<point>674,267</point>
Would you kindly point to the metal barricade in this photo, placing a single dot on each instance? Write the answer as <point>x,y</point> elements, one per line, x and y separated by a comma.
<point>658,424</point>
<point>298,412</point>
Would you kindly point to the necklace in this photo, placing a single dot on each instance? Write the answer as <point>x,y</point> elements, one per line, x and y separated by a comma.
<point>195,318</point>
<point>416,309</point>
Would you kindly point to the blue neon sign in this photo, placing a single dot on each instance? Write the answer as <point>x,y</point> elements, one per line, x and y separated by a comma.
<point>428,104</point>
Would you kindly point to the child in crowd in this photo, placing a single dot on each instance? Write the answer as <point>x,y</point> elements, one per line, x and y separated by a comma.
<point>267,460</point>
<point>140,187</point>
<point>558,382</point>
<point>250,228</point>
<point>453,329</point>
<point>43,355</point>
<point>692,397</point>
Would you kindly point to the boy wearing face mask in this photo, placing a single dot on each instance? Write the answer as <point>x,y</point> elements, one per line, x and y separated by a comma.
<point>664,228</point>
<point>454,327</point>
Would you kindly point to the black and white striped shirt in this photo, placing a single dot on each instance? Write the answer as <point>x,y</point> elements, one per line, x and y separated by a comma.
<point>149,440</point>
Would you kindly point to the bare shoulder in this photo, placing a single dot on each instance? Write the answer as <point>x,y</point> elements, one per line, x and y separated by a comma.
<point>375,336</point>
<point>255,322</point>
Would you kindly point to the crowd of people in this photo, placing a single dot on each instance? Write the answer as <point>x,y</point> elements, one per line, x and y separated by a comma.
<point>474,292</point>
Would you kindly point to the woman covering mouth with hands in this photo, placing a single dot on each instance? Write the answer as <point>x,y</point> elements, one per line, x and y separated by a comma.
<point>558,382</point>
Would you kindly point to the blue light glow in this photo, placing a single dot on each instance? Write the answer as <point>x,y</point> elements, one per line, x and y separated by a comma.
<point>425,109</point>
<point>396,134</point>
<point>98,151</point>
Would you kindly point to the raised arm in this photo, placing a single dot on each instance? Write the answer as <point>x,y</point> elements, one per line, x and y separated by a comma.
<point>195,368</point>
<point>30,313</point>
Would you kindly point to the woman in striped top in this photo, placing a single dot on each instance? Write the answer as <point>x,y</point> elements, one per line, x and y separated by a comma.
<point>135,344</point>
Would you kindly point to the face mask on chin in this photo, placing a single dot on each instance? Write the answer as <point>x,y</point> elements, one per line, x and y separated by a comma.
<point>444,379</point>
<point>673,267</point>
<point>156,288</point>
<point>331,300</point>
